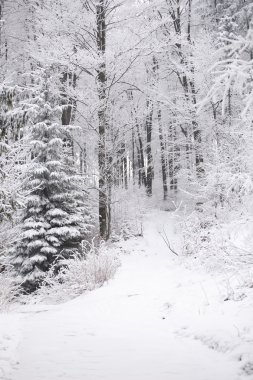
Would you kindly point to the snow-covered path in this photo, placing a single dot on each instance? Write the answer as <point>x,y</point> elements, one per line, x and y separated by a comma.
<point>140,326</point>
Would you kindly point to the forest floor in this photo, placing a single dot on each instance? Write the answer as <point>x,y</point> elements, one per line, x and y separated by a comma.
<point>158,319</point>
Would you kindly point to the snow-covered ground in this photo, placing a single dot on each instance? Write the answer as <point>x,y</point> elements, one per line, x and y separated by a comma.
<point>157,320</point>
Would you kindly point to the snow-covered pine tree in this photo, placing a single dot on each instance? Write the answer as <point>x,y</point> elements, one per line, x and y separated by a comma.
<point>55,219</point>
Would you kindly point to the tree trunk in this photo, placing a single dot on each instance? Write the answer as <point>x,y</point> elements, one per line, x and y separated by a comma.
<point>125,170</point>
<point>102,118</point>
<point>142,175</point>
<point>133,157</point>
<point>139,166</point>
<point>163,161</point>
<point>68,80</point>
<point>149,122</point>
<point>197,135</point>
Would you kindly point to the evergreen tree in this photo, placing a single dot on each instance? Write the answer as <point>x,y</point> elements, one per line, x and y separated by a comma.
<point>55,220</point>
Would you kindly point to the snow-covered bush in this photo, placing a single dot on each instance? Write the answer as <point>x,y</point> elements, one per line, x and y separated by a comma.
<point>90,272</point>
<point>8,291</point>
<point>219,241</point>
<point>79,274</point>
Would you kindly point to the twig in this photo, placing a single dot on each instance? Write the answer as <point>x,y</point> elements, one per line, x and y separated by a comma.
<point>167,242</point>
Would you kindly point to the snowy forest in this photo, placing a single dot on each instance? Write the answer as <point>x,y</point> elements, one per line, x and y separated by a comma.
<point>126,189</point>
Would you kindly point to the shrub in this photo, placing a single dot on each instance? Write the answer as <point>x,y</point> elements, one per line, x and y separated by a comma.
<point>8,291</point>
<point>79,274</point>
